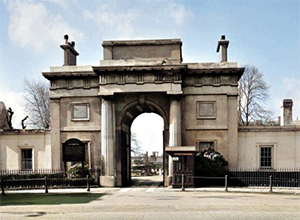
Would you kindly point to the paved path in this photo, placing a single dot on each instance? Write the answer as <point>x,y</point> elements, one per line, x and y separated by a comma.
<point>146,200</point>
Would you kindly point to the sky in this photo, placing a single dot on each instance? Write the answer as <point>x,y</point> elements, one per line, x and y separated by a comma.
<point>263,33</point>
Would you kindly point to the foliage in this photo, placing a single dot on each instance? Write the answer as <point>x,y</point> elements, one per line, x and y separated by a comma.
<point>31,176</point>
<point>76,171</point>
<point>210,163</point>
<point>37,103</point>
<point>253,94</point>
<point>138,161</point>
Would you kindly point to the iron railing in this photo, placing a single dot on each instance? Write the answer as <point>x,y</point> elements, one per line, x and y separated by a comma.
<point>44,178</point>
<point>252,177</point>
<point>240,177</point>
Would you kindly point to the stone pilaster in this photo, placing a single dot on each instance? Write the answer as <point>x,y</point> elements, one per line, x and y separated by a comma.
<point>56,145</point>
<point>174,128</point>
<point>232,135</point>
<point>107,142</point>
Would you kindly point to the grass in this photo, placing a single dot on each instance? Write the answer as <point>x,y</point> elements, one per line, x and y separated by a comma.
<point>47,199</point>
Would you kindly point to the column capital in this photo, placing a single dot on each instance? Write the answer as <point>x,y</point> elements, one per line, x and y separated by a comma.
<point>107,97</point>
<point>175,96</point>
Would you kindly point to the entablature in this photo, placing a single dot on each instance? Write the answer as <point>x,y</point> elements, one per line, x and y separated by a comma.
<point>161,78</point>
<point>69,72</point>
<point>212,77</point>
<point>289,128</point>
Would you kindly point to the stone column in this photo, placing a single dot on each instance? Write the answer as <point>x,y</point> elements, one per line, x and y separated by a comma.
<point>107,142</point>
<point>174,129</point>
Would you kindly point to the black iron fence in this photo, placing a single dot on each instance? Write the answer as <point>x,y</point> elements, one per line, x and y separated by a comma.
<point>239,177</point>
<point>30,174</point>
<point>280,177</point>
<point>45,178</point>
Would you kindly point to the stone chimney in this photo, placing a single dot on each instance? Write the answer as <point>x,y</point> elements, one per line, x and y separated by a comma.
<point>287,112</point>
<point>69,52</point>
<point>222,48</point>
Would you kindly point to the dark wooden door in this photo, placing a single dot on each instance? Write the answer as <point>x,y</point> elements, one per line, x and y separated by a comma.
<point>183,168</point>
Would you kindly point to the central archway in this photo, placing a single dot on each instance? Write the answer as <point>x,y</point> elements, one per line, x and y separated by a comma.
<point>123,134</point>
<point>146,149</point>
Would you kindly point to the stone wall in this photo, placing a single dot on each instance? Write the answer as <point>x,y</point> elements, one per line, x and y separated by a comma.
<point>285,141</point>
<point>12,142</point>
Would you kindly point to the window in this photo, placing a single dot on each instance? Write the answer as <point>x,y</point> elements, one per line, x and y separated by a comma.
<point>80,112</point>
<point>206,110</point>
<point>26,163</point>
<point>206,145</point>
<point>266,156</point>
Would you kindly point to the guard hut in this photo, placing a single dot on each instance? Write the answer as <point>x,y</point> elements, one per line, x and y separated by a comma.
<point>183,165</point>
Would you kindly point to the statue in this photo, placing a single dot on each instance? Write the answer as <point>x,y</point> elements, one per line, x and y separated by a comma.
<point>3,117</point>
<point>24,126</point>
<point>9,118</point>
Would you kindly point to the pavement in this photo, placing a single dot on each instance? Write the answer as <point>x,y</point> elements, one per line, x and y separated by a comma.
<point>148,199</point>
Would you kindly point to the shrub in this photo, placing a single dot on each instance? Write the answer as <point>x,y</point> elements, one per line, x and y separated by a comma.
<point>210,163</point>
<point>76,171</point>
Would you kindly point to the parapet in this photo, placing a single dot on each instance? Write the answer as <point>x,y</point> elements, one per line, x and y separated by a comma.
<point>167,51</point>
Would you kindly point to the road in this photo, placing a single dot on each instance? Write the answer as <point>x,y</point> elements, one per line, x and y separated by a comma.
<point>152,201</point>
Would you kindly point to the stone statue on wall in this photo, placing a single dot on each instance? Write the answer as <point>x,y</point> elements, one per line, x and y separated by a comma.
<point>3,117</point>
<point>24,126</point>
<point>9,118</point>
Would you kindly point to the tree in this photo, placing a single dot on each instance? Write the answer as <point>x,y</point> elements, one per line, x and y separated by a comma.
<point>37,103</point>
<point>253,94</point>
<point>136,145</point>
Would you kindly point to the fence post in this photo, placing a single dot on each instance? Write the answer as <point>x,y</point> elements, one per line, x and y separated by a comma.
<point>46,185</point>
<point>271,184</point>
<point>2,187</point>
<point>226,183</point>
<point>87,183</point>
<point>182,182</point>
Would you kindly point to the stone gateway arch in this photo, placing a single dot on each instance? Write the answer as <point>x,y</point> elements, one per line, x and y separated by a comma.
<point>97,105</point>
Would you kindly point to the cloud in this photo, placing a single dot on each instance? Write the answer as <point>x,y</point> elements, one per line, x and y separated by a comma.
<point>107,18</point>
<point>60,3</point>
<point>31,26</point>
<point>290,90</point>
<point>123,21</point>
<point>179,13</point>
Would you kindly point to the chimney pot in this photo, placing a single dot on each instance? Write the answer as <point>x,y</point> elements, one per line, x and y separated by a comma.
<point>66,37</point>
<point>69,52</point>
<point>287,112</point>
<point>222,48</point>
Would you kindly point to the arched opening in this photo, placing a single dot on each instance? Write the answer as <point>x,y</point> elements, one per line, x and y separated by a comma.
<point>123,137</point>
<point>147,149</point>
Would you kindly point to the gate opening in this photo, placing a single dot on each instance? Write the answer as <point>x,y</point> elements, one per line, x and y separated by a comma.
<point>147,150</point>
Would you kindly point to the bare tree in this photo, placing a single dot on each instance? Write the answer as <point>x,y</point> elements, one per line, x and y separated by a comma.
<point>253,94</point>
<point>37,103</point>
<point>136,145</point>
